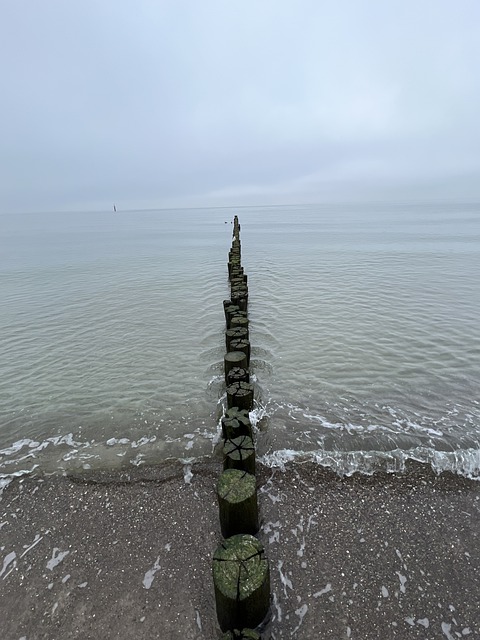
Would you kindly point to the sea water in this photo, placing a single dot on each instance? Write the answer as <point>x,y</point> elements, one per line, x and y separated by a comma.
<point>364,332</point>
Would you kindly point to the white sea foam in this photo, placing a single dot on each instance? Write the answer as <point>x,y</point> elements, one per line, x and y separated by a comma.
<point>38,538</point>
<point>57,557</point>
<point>150,574</point>
<point>464,462</point>
<point>285,580</point>
<point>187,473</point>
<point>326,589</point>
<point>36,446</point>
<point>113,441</point>
<point>61,453</point>
<point>9,559</point>
<point>300,612</point>
<point>6,478</point>
<point>67,452</point>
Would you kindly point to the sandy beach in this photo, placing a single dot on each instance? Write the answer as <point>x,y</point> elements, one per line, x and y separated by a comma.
<point>127,554</point>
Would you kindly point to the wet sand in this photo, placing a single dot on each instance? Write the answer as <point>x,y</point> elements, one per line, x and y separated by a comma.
<point>127,554</point>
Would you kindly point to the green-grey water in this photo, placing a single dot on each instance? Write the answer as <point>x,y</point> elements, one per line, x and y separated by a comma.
<point>364,327</point>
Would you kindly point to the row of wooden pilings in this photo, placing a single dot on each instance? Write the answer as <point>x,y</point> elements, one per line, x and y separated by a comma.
<point>241,574</point>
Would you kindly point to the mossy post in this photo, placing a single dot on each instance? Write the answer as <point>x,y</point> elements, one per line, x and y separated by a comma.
<point>238,275</point>
<point>237,280</point>
<point>235,423</point>
<point>241,579</point>
<point>239,293</point>
<point>237,501</point>
<point>238,284</point>
<point>238,320</point>
<point>239,288</point>
<point>230,311</point>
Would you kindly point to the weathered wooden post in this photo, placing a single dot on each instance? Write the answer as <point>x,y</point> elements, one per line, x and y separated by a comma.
<point>240,394</point>
<point>237,374</point>
<point>230,310</point>
<point>241,344</point>
<point>240,299</point>
<point>238,321</point>
<point>236,286</point>
<point>235,423</point>
<point>234,359</point>
<point>232,314</point>
<point>237,333</point>
<point>238,281</point>
<point>241,579</point>
<point>239,453</point>
<point>237,501</point>
<point>238,274</point>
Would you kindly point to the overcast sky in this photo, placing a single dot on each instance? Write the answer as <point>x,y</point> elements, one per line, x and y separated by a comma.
<point>229,102</point>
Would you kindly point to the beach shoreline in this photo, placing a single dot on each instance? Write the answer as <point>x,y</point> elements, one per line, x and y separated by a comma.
<point>127,553</point>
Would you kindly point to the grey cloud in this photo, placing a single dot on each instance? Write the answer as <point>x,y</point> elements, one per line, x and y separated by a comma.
<point>156,104</point>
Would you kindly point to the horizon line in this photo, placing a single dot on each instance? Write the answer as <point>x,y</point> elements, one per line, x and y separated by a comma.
<point>430,199</point>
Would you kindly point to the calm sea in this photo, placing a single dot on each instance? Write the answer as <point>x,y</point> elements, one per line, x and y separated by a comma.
<point>364,326</point>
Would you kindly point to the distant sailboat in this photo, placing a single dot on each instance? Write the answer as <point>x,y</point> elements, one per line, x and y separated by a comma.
<point>114,208</point>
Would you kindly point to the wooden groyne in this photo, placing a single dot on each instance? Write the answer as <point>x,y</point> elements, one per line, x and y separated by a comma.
<point>241,573</point>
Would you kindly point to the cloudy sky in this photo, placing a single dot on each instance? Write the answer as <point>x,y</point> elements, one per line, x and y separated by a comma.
<point>226,102</point>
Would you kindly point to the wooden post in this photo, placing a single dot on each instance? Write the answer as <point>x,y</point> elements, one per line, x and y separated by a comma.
<point>240,344</point>
<point>238,321</point>
<point>235,423</point>
<point>238,281</point>
<point>240,299</point>
<point>234,359</point>
<point>239,290</point>
<point>238,274</point>
<point>237,284</point>
<point>230,311</point>
<point>241,579</point>
<point>237,374</point>
<point>238,277</point>
<point>237,333</point>
<point>239,453</point>
<point>226,303</point>
<point>237,501</point>
<point>240,394</point>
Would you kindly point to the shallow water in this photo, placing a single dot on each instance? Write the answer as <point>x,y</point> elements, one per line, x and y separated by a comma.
<point>363,325</point>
